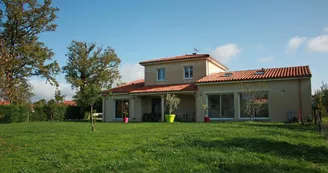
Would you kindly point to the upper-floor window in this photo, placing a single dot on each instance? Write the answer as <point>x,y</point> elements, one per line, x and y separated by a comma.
<point>161,74</point>
<point>188,72</point>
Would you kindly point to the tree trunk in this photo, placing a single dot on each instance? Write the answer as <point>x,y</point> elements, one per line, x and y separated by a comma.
<point>92,120</point>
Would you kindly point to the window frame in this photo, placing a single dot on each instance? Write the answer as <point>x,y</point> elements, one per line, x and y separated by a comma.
<point>254,118</point>
<point>184,71</point>
<point>122,100</point>
<point>220,94</point>
<point>158,74</point>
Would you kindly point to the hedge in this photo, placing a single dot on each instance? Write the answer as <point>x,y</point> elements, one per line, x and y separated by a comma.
<point>19,113</point>
<point>13,113</point>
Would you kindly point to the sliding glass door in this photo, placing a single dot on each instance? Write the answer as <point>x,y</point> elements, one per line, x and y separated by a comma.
<point>221,106</point>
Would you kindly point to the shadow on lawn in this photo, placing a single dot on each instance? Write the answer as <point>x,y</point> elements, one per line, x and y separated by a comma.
<point>296,127</point>
<point>279,148</point>
<point>253,167</point>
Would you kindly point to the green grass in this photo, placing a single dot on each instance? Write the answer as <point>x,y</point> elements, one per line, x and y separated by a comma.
<point>162,147</point>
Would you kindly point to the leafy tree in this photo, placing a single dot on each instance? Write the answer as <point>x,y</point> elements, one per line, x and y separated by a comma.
<point>88,65</point>
<point>50,109</point>
<point>58,96</point>
<point>40,102</point>
<point>88,96</point>
<point>22,55</point>
<point>89,69</point>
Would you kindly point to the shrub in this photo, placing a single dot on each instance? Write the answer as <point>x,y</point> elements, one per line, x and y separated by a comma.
<point>13,113</point>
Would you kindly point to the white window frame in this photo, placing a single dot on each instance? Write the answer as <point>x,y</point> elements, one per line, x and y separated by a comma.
<point>223,93</point>
<point>164,75</point>
<point>254,118</point>
<point>122,107</point>
<point>184,72</point>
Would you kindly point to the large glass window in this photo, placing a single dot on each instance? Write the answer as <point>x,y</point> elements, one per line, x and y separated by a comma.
<point>121,108</point>
<point>161,74</point>
<point>221,106</point>
<point>254,104</point>
<point>188,72</point>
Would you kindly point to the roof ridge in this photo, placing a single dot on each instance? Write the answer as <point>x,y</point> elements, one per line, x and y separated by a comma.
<point>263,68</point>
<point>178,57</point>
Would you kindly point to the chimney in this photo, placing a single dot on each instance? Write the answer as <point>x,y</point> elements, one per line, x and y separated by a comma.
<point>194,53</point>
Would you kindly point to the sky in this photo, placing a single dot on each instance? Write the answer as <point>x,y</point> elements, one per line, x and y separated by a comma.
<point>241,34</point>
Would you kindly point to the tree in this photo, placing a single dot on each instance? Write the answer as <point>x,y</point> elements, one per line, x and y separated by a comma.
<point>58,96</point>
<point>89,69</point>
<point>88,65</point>
<point>172,102</point>
<point>22,55</point>
<point>50,109</point>
<point>88,96</point>
<point>253,98</point>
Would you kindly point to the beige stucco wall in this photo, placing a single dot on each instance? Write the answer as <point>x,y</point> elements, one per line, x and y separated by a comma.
<point>212,68</point>
<point>174,72</point>
<point>138,105</point>
<point>187,104</point>
<point>283,97</point>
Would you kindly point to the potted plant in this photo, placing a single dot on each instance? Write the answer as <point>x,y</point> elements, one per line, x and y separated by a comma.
<point>172,102</point>
<point>126,112</point>
<point>206,118</point>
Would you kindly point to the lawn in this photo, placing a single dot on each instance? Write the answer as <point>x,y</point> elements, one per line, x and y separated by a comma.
<point>161,147</point>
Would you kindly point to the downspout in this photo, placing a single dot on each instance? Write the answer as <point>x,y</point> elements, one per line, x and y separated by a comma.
<point>300,118</point>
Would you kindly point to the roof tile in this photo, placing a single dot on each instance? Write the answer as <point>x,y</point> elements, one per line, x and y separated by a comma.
<point>270,73</point>
<point>166,88</point>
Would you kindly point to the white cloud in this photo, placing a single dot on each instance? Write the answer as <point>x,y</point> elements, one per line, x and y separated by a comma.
<point>294,43</point>
<point>131,72</point>
<point>325,30</point>
<point>318,44</point>
<point>266,59</point>
<point>43,90</point>
<point>226,52</point>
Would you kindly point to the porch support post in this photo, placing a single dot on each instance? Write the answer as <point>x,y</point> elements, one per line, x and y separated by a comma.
<point>132,109</point>
<point>162,108</point>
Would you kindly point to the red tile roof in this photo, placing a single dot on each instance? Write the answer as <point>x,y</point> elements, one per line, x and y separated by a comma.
<point>4,103</point>
<point>165,88</point>
<point>69,103</point>
<point>269,73</point>
<point>182,57</point>
<point>186,56</point>
<point>138,86</point>
<point>127,87</point>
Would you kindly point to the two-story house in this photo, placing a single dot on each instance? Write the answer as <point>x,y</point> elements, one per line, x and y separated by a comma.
<point>198,80</point>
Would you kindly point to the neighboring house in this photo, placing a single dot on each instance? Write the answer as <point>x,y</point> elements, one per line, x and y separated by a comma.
<point>69,103</point>
<point>199,79</point>
<point>4,102</point>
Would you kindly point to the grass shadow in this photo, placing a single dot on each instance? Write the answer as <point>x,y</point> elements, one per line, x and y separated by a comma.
<point>286,126</point>
<point>260,145</point>
<point>265,168</point>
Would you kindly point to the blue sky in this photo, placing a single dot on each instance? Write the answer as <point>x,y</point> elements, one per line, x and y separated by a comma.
<point>241,34</point>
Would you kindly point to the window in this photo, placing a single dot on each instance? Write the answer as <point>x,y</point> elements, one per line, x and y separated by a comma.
<point>221,106</point>
<point>227,74</point>
<point>188,72</point>
<point>121,108</point>
<point>254,104</point>
<point>161,74</point>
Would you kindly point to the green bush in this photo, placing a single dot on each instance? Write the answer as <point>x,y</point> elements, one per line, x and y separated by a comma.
<point>41,112</point>
<point>13,113</point>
